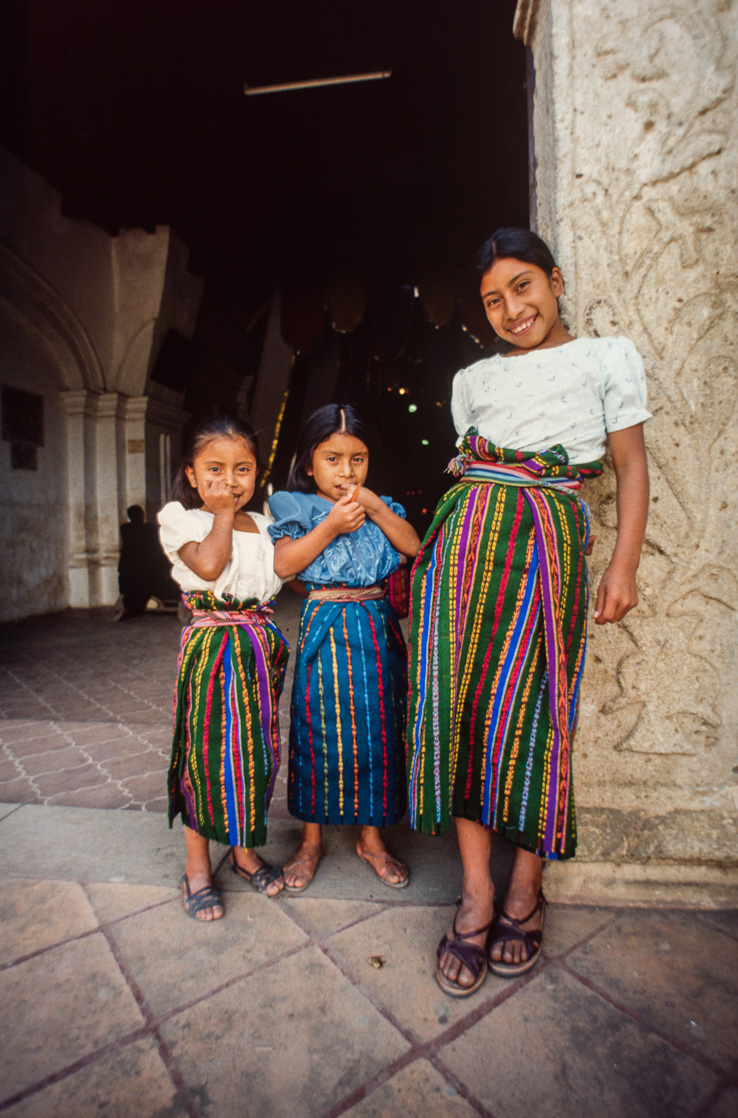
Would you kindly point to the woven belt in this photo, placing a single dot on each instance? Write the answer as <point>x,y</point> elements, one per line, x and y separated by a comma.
<point>347,594</point>
<point>205,617</point>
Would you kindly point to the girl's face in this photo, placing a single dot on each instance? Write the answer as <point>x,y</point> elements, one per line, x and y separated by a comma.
<point>224,465</point>
<point>338,465</point>
<point>520,303</point>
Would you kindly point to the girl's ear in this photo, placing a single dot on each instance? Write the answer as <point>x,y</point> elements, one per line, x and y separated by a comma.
<point>190,474</point>
<point>557,281</point>
<point>309,469</point>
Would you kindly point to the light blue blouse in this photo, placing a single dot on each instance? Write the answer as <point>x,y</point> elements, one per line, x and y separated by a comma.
<point>360,558</point>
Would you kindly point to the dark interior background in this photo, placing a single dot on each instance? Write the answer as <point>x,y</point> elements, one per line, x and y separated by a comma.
<point>135,112</point>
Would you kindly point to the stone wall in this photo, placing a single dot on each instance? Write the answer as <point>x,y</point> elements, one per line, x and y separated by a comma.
<point>82,318</point>
<point>636,159</point>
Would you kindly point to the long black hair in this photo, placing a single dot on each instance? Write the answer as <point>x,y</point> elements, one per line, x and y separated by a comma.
<point>326,421</point>
<point>220,427</point>
<point>520,244</point>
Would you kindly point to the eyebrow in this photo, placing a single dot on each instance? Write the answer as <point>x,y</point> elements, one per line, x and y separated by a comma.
<point>493,291</point>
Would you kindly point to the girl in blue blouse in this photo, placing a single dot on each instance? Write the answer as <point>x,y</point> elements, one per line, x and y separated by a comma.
<point>347,735</point>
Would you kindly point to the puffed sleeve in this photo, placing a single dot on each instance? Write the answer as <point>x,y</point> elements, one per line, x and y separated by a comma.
<point>625,386</point>
<point>178,526</point>
<point>393,506</point>
<point>460,409</point>
<point>291,516</point>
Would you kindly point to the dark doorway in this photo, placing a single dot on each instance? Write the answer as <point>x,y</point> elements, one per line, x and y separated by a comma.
<point>135,112</point>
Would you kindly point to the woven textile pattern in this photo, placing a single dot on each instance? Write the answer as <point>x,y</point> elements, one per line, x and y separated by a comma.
<point>226,750</point>
<point>497,644</point>
<point>347,740</point>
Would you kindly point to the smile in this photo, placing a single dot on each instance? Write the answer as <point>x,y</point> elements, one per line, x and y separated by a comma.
<point>523,326</point>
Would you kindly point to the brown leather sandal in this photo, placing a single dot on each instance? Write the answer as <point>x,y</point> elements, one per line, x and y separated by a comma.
<point>385,858</point>
<point>471,956</point>
<point>510,932</point>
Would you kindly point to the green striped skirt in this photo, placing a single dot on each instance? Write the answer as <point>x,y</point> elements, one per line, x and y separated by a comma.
<point>497,642</point>
<point>226,749</point>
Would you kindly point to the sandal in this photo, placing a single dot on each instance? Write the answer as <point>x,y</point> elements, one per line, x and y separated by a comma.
<point>303,866</point>
<point>260,879</point>
<point>385,858</point>
<point>511,932</point>
<point>471,956</point>
<point>207,897</point>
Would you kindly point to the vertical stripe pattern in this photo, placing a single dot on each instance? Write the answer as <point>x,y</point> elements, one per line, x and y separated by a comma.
<point>347,739</point>
<point>226,749</point>
<point>497,643</point>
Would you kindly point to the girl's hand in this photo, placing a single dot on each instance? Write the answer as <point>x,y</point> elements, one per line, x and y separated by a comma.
<point>346,515</point>
<point>616,595</point>
<point>370,502</point>
<point>216,493</point>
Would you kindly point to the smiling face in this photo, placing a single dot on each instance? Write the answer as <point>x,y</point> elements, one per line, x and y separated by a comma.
<point>520,304</point>
<point>339,464</point>
<point>224,459</point>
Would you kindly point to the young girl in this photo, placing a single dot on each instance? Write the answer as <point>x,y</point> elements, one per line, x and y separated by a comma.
<point>225,752</point>
<point>499,599</point>
<point>347,755</point>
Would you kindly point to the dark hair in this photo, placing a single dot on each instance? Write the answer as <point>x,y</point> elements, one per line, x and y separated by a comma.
<point>323,423</point>
<point>520,244</point>
<point>221,427</point>
<point>135,512</point>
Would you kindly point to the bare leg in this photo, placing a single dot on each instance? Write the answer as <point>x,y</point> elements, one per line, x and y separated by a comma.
<point>520,899</point>
<point>199,871</point>
<point>477,895</point>
<point>371,848</point>
<point>250,861</point>
<point>300,870</point>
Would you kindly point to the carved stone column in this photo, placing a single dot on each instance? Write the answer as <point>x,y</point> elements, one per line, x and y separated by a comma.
<point>635,143</point>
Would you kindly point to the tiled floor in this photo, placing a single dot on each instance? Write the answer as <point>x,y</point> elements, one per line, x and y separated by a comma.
<point>114,1003</point>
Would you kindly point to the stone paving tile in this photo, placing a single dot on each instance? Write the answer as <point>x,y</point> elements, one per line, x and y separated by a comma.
<point>107,795</point>
<point>555,1048</point>
<point>148,787</point>
<point>19,791</point>
<point>60,1006</point>
<point>300,1040</point>
<point>113,900</point>
<point>131,1081</point>
<point>568,925</point>
<point>87,775</point>
<point>405,939</point>
<point>324,917</point>
<point>633,961</point>
<point>417,1091</point>
<point>38,764</point>
<point>199,956</point>
<point>46,742</point>
<point>37,914</point>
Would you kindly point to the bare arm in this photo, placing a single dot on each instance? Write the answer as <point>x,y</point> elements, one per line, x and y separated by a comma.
<point>400,534</point>
<point>208,558</point>
<point>617,593</point>
<point>293,556</point>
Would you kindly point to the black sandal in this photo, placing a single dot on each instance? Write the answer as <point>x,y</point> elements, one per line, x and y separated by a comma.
<point>511,932</point>
<point>260,879</point>
<point>471,956</point>
<point>207,897</point>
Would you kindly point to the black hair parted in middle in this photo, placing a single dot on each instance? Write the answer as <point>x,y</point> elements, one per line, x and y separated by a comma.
<point>330,420</point>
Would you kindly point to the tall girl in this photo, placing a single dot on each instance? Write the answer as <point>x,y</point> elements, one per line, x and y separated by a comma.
<point>499,599</point>
<point>347,740</point>
<point>225,752</point>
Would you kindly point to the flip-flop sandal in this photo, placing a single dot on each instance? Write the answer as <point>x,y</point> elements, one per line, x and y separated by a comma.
<point>470,955</point>
<point>365,855</point>
<point>512,932</point>
<point>302,865</point>
<point>207,897</point>
<point>260,879</point>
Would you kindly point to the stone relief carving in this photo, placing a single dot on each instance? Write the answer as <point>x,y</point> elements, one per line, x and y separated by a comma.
<point>655,249</point>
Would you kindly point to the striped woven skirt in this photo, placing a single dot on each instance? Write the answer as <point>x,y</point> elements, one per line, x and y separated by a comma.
<point>225,751</point>
<point>347,734</point>
<point>497,642</point>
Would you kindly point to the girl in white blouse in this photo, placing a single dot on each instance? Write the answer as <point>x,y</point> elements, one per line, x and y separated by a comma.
<point>225,751</point>
<point>499,600</point>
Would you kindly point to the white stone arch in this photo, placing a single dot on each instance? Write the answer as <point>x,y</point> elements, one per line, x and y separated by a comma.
<point>53,321</point>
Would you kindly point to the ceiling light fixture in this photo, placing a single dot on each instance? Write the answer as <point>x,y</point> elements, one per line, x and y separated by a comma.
<point>348,79</point>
